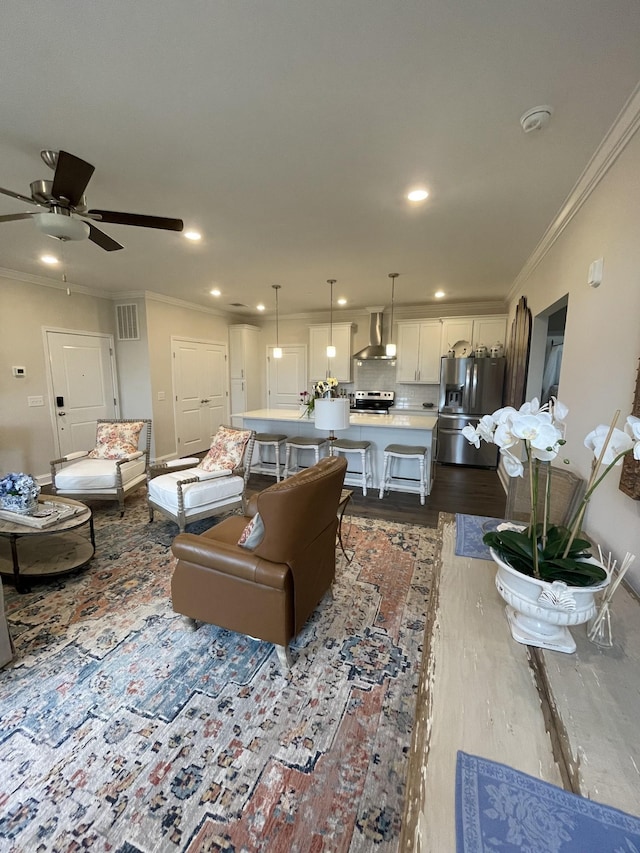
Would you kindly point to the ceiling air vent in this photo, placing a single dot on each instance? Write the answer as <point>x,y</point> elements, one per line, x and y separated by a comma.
<point>127,316</point>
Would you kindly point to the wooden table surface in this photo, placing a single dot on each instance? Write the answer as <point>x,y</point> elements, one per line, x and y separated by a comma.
<point>570,719</point>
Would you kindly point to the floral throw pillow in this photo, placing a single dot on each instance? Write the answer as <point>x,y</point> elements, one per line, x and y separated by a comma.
<point>115,441</point>
<point>252,535</point>
<point>227,449</point>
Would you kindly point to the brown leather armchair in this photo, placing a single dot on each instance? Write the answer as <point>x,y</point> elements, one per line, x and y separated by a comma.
<point>268,592</point>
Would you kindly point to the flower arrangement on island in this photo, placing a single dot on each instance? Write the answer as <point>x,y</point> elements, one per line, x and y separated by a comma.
<point>18,489</point>
<point>533,436</point>
<point>319,389</point>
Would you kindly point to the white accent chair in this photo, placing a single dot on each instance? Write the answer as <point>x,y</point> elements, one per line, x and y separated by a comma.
<point>78,476</point>
<point>184,492</point>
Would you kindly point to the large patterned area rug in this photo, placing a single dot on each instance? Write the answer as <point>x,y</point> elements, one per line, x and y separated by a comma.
<point>122,731</point>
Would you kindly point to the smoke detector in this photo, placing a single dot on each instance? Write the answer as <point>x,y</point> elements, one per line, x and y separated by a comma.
<point>536,118</point>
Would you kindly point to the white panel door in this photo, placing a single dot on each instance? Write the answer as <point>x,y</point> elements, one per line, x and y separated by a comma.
<point>200,393</point>
<point>82,374</point>
<point>286,377</point>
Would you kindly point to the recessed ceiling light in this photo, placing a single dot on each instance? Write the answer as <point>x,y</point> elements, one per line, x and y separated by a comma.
<point>49,259</point>
<point>439,294</point>
<point>342,301</point>
<point>215,292</point>
<point>418,194</point>
<point>260,307</point>
<point>193,235</point>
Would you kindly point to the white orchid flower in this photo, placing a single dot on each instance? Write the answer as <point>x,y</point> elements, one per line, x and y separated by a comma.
<point>471,435</point>
<point>532,407</point>
<point>486,428</point>
<point>502,415</point>
<point>512,465</point>
<point>558,410</point>
<point>503,436</point>
<point>632,428</point>
<point>619,442</point>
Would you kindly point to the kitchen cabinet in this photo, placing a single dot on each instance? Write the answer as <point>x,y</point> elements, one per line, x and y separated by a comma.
<point>476,330</point>
<point>320,367</point>
<point>418,351</point>
<point>245,369</point>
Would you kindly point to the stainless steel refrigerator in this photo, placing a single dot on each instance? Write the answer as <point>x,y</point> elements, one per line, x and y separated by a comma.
<point>469,388</point>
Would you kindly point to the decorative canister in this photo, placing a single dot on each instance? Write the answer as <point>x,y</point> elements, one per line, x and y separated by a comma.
<point>496,350</point>
<point>24,505</point>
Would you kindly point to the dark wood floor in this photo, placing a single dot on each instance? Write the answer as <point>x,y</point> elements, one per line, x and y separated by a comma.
<point>475,491</point>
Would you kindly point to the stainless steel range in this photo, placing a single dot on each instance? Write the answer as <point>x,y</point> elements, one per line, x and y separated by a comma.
<point>378,402</point>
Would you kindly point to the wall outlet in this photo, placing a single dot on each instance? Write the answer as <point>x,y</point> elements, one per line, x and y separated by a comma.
<point>35,401</point>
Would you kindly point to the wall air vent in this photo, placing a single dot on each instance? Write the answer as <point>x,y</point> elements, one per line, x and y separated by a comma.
<point>238,305</point>
<point>127,316</point>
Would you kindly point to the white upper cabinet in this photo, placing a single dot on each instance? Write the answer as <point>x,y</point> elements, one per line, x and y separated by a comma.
<point>418,345</point>
<point>477,331</point>
<point>321,367</point>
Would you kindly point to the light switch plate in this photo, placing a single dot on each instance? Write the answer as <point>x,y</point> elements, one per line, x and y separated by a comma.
<point>35,401</point>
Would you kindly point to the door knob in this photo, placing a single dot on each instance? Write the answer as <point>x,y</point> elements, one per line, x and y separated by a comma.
<point>61,414</point>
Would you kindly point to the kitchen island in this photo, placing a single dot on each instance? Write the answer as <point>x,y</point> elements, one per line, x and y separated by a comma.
<point>380,429</point>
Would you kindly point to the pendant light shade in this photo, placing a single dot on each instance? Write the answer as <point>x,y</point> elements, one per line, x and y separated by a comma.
<point>277,350</point>
<point>390,348</point>
<point>331,350</point>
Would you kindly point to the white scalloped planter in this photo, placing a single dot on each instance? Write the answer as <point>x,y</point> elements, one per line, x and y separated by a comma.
<point>540,612</point>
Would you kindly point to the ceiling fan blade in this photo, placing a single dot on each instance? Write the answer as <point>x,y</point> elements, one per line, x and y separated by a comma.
<point>139,220</point>
<point>71,177</point>
<point>103,240</point>
<point>17,195</point>
<point>13,216</point>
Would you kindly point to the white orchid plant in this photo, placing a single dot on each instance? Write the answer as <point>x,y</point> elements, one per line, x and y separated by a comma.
<point>533,436</point>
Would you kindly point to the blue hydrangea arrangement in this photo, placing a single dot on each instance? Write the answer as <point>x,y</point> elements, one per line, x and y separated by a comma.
<point>19,485</point>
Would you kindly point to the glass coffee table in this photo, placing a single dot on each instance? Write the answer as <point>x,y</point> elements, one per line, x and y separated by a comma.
<point>34,552</point>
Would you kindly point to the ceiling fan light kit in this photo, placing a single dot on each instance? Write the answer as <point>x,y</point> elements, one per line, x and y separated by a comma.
<point>66,205</point>
<point>61,226</point>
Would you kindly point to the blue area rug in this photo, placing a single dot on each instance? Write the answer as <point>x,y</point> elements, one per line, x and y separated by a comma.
<point>123,732</point>
<point>499,808</point>
<point>469,532</point>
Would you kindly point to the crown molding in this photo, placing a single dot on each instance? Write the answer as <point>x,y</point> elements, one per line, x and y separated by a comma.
<point>41,281</point>
<point>614,143</point>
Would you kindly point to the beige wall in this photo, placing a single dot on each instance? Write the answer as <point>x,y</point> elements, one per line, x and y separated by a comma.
<point>26,433</point>
<point>602,336</point>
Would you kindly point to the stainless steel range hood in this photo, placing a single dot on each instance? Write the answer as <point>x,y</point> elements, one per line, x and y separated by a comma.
<point>375,350</point>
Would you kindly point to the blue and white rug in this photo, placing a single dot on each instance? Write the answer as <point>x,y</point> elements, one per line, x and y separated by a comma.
<point>500,809</point>
<point>469,532</point>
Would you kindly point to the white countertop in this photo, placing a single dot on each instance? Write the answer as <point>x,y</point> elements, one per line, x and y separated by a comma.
<point>406,420</point>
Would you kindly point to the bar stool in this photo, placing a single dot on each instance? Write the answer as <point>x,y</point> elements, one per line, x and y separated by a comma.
<point>275,440</point>
<point>298,443</point>
<point>404,451</point>
<point>363,449</point>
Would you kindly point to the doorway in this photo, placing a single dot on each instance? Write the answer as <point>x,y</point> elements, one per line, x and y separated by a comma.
<point>286,376</point>
<point>82,385</point>
<point>200,392</point>
<point>547,343</point>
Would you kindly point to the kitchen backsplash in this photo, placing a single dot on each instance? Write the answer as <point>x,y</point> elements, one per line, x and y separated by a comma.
<point>380,375</point>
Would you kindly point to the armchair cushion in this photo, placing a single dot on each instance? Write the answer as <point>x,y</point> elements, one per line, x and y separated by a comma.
<point>163,490</point>
<point>227,449</point>
<point>252,535</point>
<point>116,440</point>
<point>88,475</point>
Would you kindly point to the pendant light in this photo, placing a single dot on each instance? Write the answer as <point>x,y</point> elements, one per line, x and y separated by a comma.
<point>390,349</point>
<point>331,350</point>
<point>277,350</point>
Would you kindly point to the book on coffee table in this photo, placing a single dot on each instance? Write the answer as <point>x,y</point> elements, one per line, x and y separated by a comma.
<point>48,513</point>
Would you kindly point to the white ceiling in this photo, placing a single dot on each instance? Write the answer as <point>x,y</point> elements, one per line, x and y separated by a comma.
<point>288,131</point>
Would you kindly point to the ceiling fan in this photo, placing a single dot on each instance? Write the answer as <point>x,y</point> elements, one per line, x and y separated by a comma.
<point>65,206</point>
